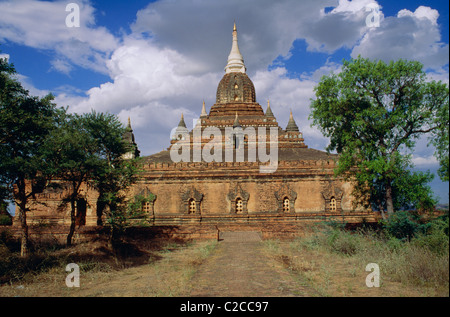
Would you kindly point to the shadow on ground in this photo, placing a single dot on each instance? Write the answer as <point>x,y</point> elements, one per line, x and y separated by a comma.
<point>99,254</point>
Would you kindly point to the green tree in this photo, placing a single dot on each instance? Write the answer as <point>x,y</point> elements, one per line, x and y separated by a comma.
<point>87,150</point>
<point>114,175</point>
<point>5,217</point>
<point>4,195</point>
<point>373,113</point>
<point>440,140</point>
<point>71,157</point>
<point>25,122</point>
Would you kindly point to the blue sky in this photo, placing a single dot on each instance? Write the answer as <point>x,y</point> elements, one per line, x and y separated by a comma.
<point>153,60</point>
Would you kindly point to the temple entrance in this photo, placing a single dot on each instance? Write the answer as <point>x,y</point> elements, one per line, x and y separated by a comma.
<point>80,218</point>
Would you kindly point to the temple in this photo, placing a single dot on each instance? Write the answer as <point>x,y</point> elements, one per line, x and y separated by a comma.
<point>237,167</point>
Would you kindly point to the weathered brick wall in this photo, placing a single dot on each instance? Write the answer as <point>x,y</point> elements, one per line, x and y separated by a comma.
<point>48,207</point>
<point>187,232</point>
<point>307,184</point>
<point>170,182</point>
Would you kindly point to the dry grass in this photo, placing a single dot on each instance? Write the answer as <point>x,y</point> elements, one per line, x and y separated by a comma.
<point>163,271</point>
<point>333,263</point>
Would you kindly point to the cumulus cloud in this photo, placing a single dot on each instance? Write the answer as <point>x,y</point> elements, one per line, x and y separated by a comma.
<point>143,74</point>
<point>409,35</point>
<point>267,29</point>
<point>286,94</point>
<point>341,27</point>
<point>209,46</point>
<point>41,25</point>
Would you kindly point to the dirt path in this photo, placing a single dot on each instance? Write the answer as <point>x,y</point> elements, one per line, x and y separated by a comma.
<point>239,267</point>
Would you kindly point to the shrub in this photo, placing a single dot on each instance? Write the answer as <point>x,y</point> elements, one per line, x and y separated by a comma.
<point>405,225</point>
<point>408,250</point>
<point>344,242</point>
<point>435,238</point>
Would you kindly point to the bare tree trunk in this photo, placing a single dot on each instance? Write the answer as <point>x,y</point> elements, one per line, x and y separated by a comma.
<point>389,199</point>
<point>21,199</point>
<point>24,236</point>
<point>72,221</point>
<point>381,208</point>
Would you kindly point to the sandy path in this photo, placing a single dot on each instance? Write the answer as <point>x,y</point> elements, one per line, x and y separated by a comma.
<point>239,267</point>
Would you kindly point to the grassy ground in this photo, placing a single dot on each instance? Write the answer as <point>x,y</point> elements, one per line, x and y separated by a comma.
<point>160,269</point>
<point>333,262</point>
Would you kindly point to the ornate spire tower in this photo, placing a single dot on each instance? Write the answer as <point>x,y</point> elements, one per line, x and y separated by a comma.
<point>236,105</point>
<point>292,126</point>
<point>130,143</point>
<point>235,91</point>
<point>203,114</point>
<point>235,60</point>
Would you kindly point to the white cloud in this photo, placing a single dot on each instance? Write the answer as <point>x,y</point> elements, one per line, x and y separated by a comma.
<point>341,27</point>
<point>41,25</point>
<point>421,12</point>
<point>440,75</point>
<point>353,6</point>
<point>409,35</point>
<point>62,66</point>
<point>142,73</point>
<point>267,29</point>
<point>28,84</point>
<point>4,56</point>
<point>425,161</point>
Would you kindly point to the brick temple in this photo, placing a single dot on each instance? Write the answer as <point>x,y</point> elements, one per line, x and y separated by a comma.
<point>209,176</point>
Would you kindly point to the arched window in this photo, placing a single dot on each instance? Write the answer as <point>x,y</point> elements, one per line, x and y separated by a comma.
<point>146,207</point>
<point>286,204</point>
<point>333,204</point>
<point>239,205</point>
<point>192,206</point>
